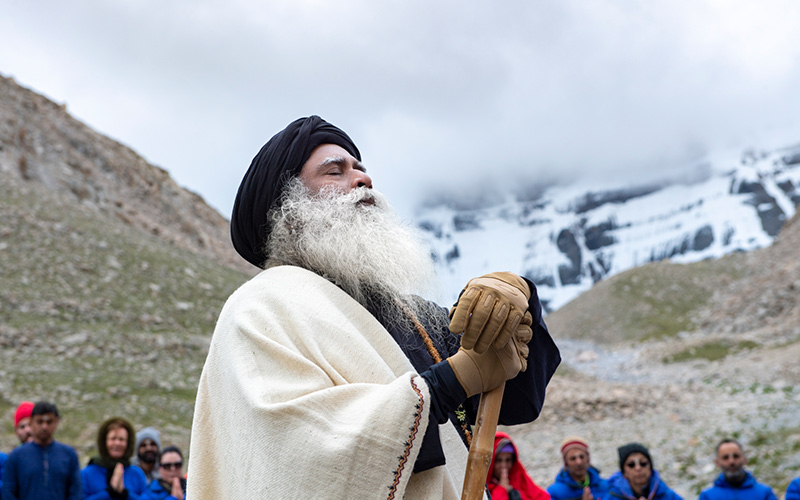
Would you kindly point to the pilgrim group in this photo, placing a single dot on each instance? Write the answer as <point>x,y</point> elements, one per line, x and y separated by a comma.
<point>134,465</point>
<point>636,479</point>
<point>128,465</point>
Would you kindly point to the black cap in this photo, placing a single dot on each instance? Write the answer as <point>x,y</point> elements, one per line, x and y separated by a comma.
<point>626,450</point>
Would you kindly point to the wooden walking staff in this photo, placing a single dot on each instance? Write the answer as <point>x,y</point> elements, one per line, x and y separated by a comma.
<point>482,448</point>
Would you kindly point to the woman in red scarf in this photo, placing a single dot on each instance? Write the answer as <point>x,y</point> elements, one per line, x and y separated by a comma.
<point>507,479</point>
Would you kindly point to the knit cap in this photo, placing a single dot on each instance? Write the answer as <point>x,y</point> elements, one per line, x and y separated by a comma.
<point>23,411</point>
<point>573,442</point>
<point>627,450</point>
<point>148,433</point>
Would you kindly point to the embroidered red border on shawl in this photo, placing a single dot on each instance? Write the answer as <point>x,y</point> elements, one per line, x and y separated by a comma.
<point>409,443</point>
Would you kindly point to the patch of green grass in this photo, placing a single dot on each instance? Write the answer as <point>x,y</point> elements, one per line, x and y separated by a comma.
<point>101,318</point>
<point>655,301</point>
<point>710,351</point>
<point>769,451</point>
<point>686,463</point>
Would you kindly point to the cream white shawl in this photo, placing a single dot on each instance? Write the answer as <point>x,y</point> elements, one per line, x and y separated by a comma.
<point>305,395</point>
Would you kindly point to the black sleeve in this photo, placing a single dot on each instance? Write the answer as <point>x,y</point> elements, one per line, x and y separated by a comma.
<point>446,391</point>
<point>524,394</point>
<point>446,394</point>
<point>522,399</point>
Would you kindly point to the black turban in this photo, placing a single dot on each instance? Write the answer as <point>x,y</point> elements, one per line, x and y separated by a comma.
<point>279,160</point>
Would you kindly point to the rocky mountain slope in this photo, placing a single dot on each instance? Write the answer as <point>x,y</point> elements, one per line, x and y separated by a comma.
<point>43,144</point>
<point>112,276</point>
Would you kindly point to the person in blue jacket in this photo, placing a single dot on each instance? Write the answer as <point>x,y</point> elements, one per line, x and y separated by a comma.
<point>735,482</point>
<point>111,476</point>
<point>170,483</point>
<point>638,479</point>
<point>793,491</point>
<point>3,458</point>
<point>577,480</point>
<point>42,468</point>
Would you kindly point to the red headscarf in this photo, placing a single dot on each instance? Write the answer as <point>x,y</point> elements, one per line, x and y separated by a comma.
<point>517,476</point>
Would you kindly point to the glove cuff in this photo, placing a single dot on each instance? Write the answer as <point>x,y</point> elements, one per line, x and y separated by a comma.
<point>467,372</point>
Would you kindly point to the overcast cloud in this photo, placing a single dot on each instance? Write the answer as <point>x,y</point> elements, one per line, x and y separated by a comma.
<point>433,93</point>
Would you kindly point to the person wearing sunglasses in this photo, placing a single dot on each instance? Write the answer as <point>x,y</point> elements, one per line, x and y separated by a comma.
<point>637,479</point>
<point>734,481</point>
<point>170,485</point>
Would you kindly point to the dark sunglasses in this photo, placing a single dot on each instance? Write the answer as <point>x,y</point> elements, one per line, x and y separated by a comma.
<point>734,456</point>
<point>173,465</point>
<point>640,463</point>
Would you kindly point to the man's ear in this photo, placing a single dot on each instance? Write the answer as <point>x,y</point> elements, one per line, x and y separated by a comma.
<point>716,462</point>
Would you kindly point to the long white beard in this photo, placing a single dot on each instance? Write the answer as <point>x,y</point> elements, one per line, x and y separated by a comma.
<point>363,248</point>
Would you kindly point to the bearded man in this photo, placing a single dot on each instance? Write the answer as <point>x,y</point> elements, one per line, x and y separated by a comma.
<point>328,376</point>
<point>734,481</point>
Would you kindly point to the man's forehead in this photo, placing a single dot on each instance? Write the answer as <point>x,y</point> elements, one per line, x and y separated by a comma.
<point>729,447</point>
<point>327,154</point>
<point>147,442</point>
<point>336,159</point>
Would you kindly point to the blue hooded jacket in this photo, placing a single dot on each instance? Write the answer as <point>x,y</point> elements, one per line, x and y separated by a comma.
<point>566,488</point>
<point>95,484</point>
<point>619,487</point>
<point>3,458</point>
<point>749,490</point>
<point>793,491</point>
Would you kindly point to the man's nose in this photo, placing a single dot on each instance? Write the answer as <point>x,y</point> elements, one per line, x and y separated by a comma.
<point>359,179</point>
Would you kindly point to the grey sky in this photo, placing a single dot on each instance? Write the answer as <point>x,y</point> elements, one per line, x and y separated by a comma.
<point>434,93</point>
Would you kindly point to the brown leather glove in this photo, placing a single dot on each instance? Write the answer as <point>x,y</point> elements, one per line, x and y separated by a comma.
<point>489,310</point>
<point>479,373</point>
<point>521,337</point>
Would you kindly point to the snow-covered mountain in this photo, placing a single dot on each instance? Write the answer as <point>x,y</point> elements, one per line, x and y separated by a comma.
<point>566,238</point>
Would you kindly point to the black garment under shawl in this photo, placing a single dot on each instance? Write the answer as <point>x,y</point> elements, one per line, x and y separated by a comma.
<point>279,160</point>
<point>523,397</point>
